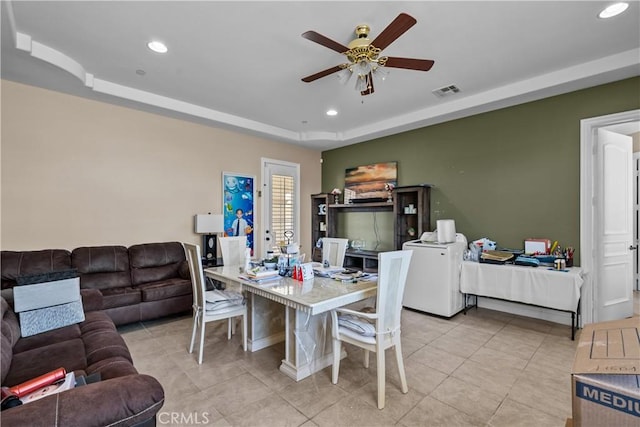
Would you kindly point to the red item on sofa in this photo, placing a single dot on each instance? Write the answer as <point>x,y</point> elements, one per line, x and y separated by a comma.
<point>34,384</point>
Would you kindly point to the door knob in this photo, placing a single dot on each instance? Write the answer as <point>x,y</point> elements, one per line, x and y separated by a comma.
<point>633,248</point>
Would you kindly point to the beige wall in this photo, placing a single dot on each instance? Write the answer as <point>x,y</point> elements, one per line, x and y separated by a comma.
<point>77,172</point>
<point>636,141</point>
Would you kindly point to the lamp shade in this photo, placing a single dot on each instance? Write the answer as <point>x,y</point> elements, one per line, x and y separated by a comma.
<point>208,224</point>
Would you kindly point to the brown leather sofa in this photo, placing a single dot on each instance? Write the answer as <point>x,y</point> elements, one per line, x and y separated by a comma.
<point>142,282</point>
<point>122,397</point>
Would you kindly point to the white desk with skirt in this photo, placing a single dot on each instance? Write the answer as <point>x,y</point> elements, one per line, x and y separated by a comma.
<point>539,286</point>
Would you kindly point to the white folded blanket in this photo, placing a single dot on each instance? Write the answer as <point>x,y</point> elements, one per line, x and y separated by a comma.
<point>357,324</point>
<point>218,299</point>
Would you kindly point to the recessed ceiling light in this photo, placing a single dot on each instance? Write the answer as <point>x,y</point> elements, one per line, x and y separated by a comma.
<point>157,46</point>
<point>613,10</point>
<point>332,112</point>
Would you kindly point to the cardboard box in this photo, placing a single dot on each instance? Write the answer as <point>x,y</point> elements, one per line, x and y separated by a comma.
<point>605,380</point>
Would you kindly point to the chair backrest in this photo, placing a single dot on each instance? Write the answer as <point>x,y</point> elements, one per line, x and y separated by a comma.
<point>333,250</point>
<point>197,276</point>
<point>392,276</point>
<point>233,249</point>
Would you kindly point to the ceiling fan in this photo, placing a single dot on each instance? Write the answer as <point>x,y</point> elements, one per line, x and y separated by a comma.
<point>364,55</point>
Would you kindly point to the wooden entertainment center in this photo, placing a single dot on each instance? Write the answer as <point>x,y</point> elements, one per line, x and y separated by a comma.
<point>409,224</point>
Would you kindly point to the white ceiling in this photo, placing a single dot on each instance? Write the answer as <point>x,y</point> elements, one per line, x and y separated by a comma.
<point>238,64</point>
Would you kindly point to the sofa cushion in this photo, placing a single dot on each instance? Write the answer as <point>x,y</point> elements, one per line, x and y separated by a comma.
<point>165,289</point>
<point>29,364</point>
<point>27,263</point>
<point>10,335</point>
<point>112,367</point>
<point>100,346</point>
<point>102,267</point>
<point>66,333</point>
<point>155,262</point>
<point>119,297</point>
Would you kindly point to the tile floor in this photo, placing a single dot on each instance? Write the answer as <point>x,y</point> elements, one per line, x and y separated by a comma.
<point>487,368</point>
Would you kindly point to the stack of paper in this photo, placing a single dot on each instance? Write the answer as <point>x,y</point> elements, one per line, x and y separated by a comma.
<point>321,271</point>
<point>260,273</point>
<point>500,256</point>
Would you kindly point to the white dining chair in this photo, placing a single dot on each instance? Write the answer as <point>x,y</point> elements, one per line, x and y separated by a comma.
<point>333,250</point>
<point>209,306</point>
<point>379,330</point>
<point>233,249</point>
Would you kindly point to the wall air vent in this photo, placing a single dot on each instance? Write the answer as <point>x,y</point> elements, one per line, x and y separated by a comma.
<point>446,91</point>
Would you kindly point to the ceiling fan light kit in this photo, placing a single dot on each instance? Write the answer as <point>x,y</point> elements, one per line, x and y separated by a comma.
<point>364,55</point>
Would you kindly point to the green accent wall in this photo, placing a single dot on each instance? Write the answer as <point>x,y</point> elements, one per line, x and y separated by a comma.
<point>507,174</point>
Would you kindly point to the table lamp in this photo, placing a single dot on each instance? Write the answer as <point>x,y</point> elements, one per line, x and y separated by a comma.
<point>209,225</point>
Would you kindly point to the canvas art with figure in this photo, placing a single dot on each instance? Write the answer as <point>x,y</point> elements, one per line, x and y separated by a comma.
<point>238,206</point>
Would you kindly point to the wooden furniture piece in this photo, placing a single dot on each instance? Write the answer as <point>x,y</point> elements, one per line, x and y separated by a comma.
<point>202,313</point>
<point>408,225</point>
<point>319,220</point>
<point>306,306</point>
<point>363,260</point>
<point>411,212</point>
<point>538,286</point>
<point>385,334</point>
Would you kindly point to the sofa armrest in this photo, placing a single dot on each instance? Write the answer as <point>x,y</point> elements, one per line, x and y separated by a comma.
<point>91,299</point>
<point>122,401</point>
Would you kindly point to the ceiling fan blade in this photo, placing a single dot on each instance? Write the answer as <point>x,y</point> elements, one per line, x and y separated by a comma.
<point>394,30</point>
<point>409,63</point>
<point>325,41</point>
<point>321,74</point>
<point>370,89</point>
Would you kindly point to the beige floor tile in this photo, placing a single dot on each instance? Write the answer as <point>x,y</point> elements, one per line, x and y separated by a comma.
<point>457,344</point>
<point>468,398</point>
<point>485,368</point>
<point>192,409</point>
<point>353,412</point>
<point>498,359</point>
<point>484,324</point>
<point>397,404</point>
<point>420,376</point>
<point>270,411</point>
<point>410,346</point>
<point>489,378</point>
<point>549,395</point>
<point>313,395</point>
<point>212,373</point>
<point>515,414</point>
<point>433,413</point>
<point>533,324</point>
<point>437,358</point>
<point>237,394</point>
<point>421,334</point>
<point>520,348</point>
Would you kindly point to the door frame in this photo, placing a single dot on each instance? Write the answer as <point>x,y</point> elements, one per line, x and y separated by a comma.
<point>263,202</point>
<point>589,204</point>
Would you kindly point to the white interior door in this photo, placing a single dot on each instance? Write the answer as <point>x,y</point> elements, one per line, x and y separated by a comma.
<point>614,175</point>
<point>281,202</point>
<point>636,219</point>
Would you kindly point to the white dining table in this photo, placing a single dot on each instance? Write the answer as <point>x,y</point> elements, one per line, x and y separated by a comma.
<point>296,312</point>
